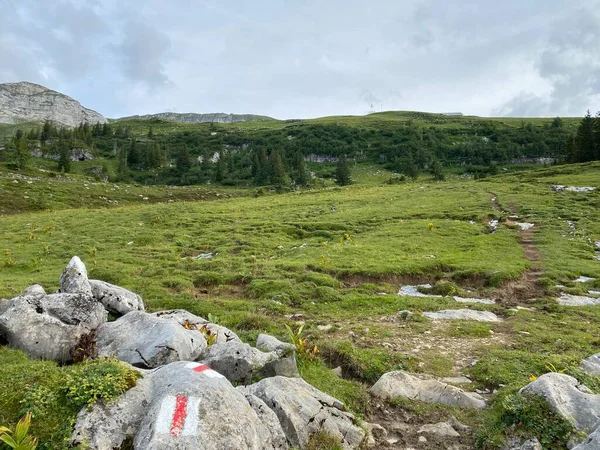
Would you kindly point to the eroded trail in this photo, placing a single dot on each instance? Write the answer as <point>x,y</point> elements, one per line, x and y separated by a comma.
<point>527,287</point>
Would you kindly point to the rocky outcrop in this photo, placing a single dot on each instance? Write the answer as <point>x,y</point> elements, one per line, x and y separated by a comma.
<point>426,389</point>
<point>29,102</point>
<point>200,118</point>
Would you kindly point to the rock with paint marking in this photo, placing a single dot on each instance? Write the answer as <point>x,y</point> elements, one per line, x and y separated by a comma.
<point>191,321</point>
<point>116,299</point>
<point>426,389</point>
<point>74,279</point>
<point>146,341</point>
<point>303,410</point>
<point>50,326</point>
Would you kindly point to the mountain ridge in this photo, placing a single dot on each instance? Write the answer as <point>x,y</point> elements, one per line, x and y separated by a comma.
<point>199,117</point>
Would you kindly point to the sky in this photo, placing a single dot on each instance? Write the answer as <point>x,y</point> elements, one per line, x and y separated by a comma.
<point>308,58</point>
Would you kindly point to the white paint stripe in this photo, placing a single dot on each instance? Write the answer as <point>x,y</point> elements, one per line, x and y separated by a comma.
<point>192,365</point>
<point>190,427</point>
<point>212,374</point>
<point>165,415</point>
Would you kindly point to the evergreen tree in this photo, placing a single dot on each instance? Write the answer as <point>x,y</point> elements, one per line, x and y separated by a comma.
<point>150,133</point>
<point>301,175</point>
<point>436,170</point>
<point>584,139</point>
<point>597,135</point>
<point>19,154</point>
<point>64,156</point>
<point>122,170</point>
<point>342,172</point>
<point>220,168</point>
<point>47,131</point>
<point>133,156</point>
<point>277,168</point>
<point>557,122</point>
<point>408,166</point>
<point>571,150</point>
<point>261,173</point>
<point>184,161</point>
<point>106,130</point>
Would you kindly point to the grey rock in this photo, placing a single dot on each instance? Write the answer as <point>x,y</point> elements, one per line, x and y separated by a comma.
<point>456,380</point>
<point>463,314</point>
<point>591,365</point>
<point>29,102</point>
<point>442,429</point>
<point>458,425</point>
<point>182,405</point>
<point>518,444</point>
<point>338,371</point>
<point>116,299</point>
<point>3,305</point>
<point>402,384</point>
<point>591,442</point>
<point>35,289</point>
<point>187,319</point>
<point>49,326</point>
<point>272,344</point>
<point>577,300</point>
<point>74,279</point>
<point>239,362</point>
<point>268,417</point>
<point>303,410</point>
<point>567,397</point>
<point>144,340</point>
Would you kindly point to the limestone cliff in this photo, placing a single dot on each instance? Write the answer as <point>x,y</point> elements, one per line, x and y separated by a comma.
<point>198,118</point>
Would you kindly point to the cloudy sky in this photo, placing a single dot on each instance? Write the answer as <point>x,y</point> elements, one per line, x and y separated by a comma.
<point>309,58</point>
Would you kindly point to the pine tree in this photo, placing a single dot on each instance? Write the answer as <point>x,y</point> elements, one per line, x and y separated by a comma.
<point>277,168</point>
<point>436,170</point>
<point>64,156</point>
<point>19,151</point>
<point>571,150</point>
<point>47,131</point>
<point>301,175</point>
<point>184,161</point>
<point>342,172</point>
<point>122,170</point>
<point>220,168</point>
<point>408,166</point>
<point>260,167</point>
<point>133,156</point>
<point>597,135</point>
<point>584,139</point>
<point>150,133</point>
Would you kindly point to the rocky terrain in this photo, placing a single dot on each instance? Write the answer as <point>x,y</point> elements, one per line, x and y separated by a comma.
<point>199,118</point>
<point>29,102</point>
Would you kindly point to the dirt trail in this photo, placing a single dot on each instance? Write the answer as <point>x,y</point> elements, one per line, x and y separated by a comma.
<point>528,286</point>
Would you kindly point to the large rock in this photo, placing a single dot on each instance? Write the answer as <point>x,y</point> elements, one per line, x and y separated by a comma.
<point>29,102</point>
<point>463,314</point>
<point>146,341</point>
<point>303,410</point>
<point>239,362</point>
<point>268,417</point>
<point>402,384</point>
<point>591,365</point>
<point>50,326</point>
<point>74,279</point>
<point>116,299</point>
<point>35,289</point>
<point>569,398</point>
<point>270,343</point>
<point>193,322</point>
<point>182,405</point>
<point>591,442</point>
<point>518,444</point>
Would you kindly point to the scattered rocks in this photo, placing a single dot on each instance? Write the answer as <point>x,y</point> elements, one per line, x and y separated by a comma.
<point>402,384</point>
<point>303,410</point>
<point>463,314</point>
<point>567,397</point>
<point>560,188</point>
<point>116,299</point>
<point>146,341</point>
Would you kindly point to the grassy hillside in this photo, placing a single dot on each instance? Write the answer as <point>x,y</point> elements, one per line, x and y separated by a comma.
<point>334,259</point>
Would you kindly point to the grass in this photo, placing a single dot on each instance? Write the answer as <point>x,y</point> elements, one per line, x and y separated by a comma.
<point>334,259</point>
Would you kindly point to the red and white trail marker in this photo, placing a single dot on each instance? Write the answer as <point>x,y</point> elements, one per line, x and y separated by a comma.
<point>178,416</point>
<point>204,370</point>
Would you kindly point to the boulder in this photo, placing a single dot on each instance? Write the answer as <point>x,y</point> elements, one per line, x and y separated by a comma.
<point>239,362</point>
<point>272,344</point>
<point>443,429</point>
<point>528,444</point>
<point>402,384</point>
<point>193,322</point>
<point>303,410</point>
<point>463,314</point>
<point>116,299</point>
<point>568,398</point>
<point>146,341</point>
<point>591,365</point>
<point>182,405</point>
<point>74,279</point>
<point>591,442</point>
<point>268,417</point>
<point>35,289</point>
<point>50,326</point>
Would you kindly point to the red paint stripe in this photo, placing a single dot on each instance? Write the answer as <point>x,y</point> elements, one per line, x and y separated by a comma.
<point>179,415</point>
<point>201,368</point>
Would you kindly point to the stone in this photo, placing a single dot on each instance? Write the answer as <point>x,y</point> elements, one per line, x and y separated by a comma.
<point>442,429</point>
<point>146,341</point>
<point>303,410</point>
<point>463,314</point>
<point>239,362</point>
<point>50,326</point>
<point>272,344</point>
<point>517,444</point>
<point>591,442</point>
<point>36,289</point>
<point>268,417</point>
<point>193,322</point>
<point>591,365</point>
<point>29,102</point>
<point>568,398</point>
<point>74,279</point>
<point>577,300</point>
<point>396,384</point>
<point>116,299</point>
<point>338,371</point>
<point>181,405</point>
<point>456,380</point>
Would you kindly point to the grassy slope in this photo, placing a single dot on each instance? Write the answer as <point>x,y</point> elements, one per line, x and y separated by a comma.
<point>362,242</point>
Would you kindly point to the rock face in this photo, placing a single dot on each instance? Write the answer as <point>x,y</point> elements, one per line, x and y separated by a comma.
<point>199,118</point>
<point>402,384</point>
<point>569,398</point>
<point>146,341</point>
<point>49,326</point>
<point>29,102</point>
<point>303,410</point>
<point>116,299</point>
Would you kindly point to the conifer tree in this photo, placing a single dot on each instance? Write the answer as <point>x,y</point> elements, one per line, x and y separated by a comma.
<point>122,170</point>
<point>64,156</point>
<point>277,168</point>
<point>585,139</point>
<point>342,172</point>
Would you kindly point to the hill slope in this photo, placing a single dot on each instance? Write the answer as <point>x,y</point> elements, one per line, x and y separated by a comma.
<point>200,118</point>
<point>29,102</point>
